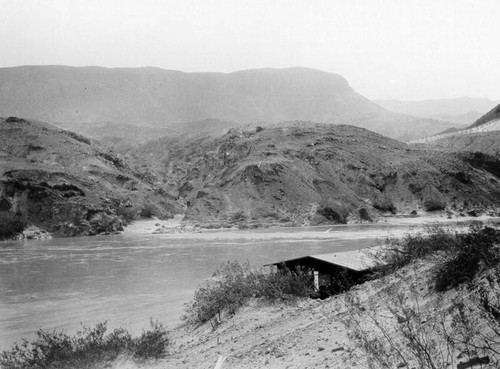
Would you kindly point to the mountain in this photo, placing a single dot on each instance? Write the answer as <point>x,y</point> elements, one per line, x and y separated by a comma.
<point>482,136</point>
<point>65,183</point>
<point>301,173</point>
<point>460,110</point>
<point>152,97</point>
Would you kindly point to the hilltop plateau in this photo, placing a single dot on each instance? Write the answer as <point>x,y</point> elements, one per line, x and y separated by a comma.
<point>66,184</point>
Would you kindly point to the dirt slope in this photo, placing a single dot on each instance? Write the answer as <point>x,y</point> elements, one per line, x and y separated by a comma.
<point>312,333</point>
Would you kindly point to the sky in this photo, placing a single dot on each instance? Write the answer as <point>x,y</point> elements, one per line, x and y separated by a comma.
<point>396,49</point>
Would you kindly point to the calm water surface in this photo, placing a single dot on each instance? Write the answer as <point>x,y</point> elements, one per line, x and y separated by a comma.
<point>128,279</point>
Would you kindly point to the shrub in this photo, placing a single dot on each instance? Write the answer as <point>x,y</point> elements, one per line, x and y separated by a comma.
<point>476,250</point>
<point>86,348</point>
<point>385,205</point>
<point>11,224</point>
<point>127,213</point>
<point>400,329</point>
<point>403,335</point>
<point>233,284</point>
<point>458,256</point>
<point>152,343</point>
<point>149,210</point>
<point>434,205</point>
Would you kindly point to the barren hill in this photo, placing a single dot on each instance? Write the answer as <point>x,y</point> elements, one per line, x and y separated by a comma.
<point>163,98</point>
<point>67,184</point>
<point>305,173</point>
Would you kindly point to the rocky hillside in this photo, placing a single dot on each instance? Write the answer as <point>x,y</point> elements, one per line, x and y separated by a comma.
<point>482,136</point>
<point>304,173</point>
<point>492,116</point>
<point>148,97</point>
<point>67,184</point>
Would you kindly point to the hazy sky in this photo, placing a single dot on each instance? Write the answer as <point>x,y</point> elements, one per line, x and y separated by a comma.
<point>402,49</point>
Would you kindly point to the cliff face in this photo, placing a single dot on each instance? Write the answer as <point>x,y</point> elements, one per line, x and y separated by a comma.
<point>311,174</point>
<point>66,184</point>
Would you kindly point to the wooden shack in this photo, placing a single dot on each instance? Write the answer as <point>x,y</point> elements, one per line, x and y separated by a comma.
<point>334,272</point>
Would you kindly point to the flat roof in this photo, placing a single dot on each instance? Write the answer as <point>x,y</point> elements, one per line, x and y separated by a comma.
<point>357,260</point>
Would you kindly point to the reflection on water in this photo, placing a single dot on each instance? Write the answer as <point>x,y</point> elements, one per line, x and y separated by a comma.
<point>126,280</point>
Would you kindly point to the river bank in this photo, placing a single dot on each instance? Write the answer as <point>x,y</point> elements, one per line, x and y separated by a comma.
<point>177,226</point>
<point>129,278</point>
<point>401,319</point>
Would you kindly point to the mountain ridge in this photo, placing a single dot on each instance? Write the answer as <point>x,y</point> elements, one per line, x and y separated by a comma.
<point>155,97</point>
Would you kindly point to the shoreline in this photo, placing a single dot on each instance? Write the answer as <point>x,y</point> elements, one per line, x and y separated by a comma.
<point>175,226</point>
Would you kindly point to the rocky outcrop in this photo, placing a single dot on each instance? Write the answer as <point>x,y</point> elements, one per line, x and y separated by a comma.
<point>60,208</point>
<point>68,185</point>
<point>33,233</point>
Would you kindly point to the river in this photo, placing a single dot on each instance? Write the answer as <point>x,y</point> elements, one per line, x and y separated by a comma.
<point>128,279</point>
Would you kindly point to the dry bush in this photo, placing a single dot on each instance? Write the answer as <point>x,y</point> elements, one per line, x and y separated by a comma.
<point>233,284</point>
<point>11,224</point>
<point>398,333</point>
<point>85,349</point>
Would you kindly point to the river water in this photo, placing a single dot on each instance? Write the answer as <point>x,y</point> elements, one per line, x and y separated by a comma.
<point>128,279</point>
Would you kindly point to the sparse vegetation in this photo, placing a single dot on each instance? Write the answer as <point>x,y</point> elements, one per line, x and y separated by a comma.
<point>127,213</point>
<point>233,284</point>
<point>149,210</point>
<point>11,224</point>
<point>458,256</point>
<point>86,348</point>
<point>385,205</point>
<point>399,331</point>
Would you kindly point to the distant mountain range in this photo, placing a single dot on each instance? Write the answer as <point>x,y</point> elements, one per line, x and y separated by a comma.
<point>151,97</point>
<point>460,110</point>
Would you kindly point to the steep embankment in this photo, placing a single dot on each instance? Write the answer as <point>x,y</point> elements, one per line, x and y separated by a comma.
<point>155,97</point>
<point>66,184</point>
<point>396,312</point>
<point>304,173</point>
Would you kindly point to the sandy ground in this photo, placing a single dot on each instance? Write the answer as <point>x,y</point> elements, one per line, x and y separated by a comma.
<point>148,226</point>
<point>305,334</point>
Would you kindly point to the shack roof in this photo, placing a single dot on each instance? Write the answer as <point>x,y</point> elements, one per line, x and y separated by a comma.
<point>358,260</point>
